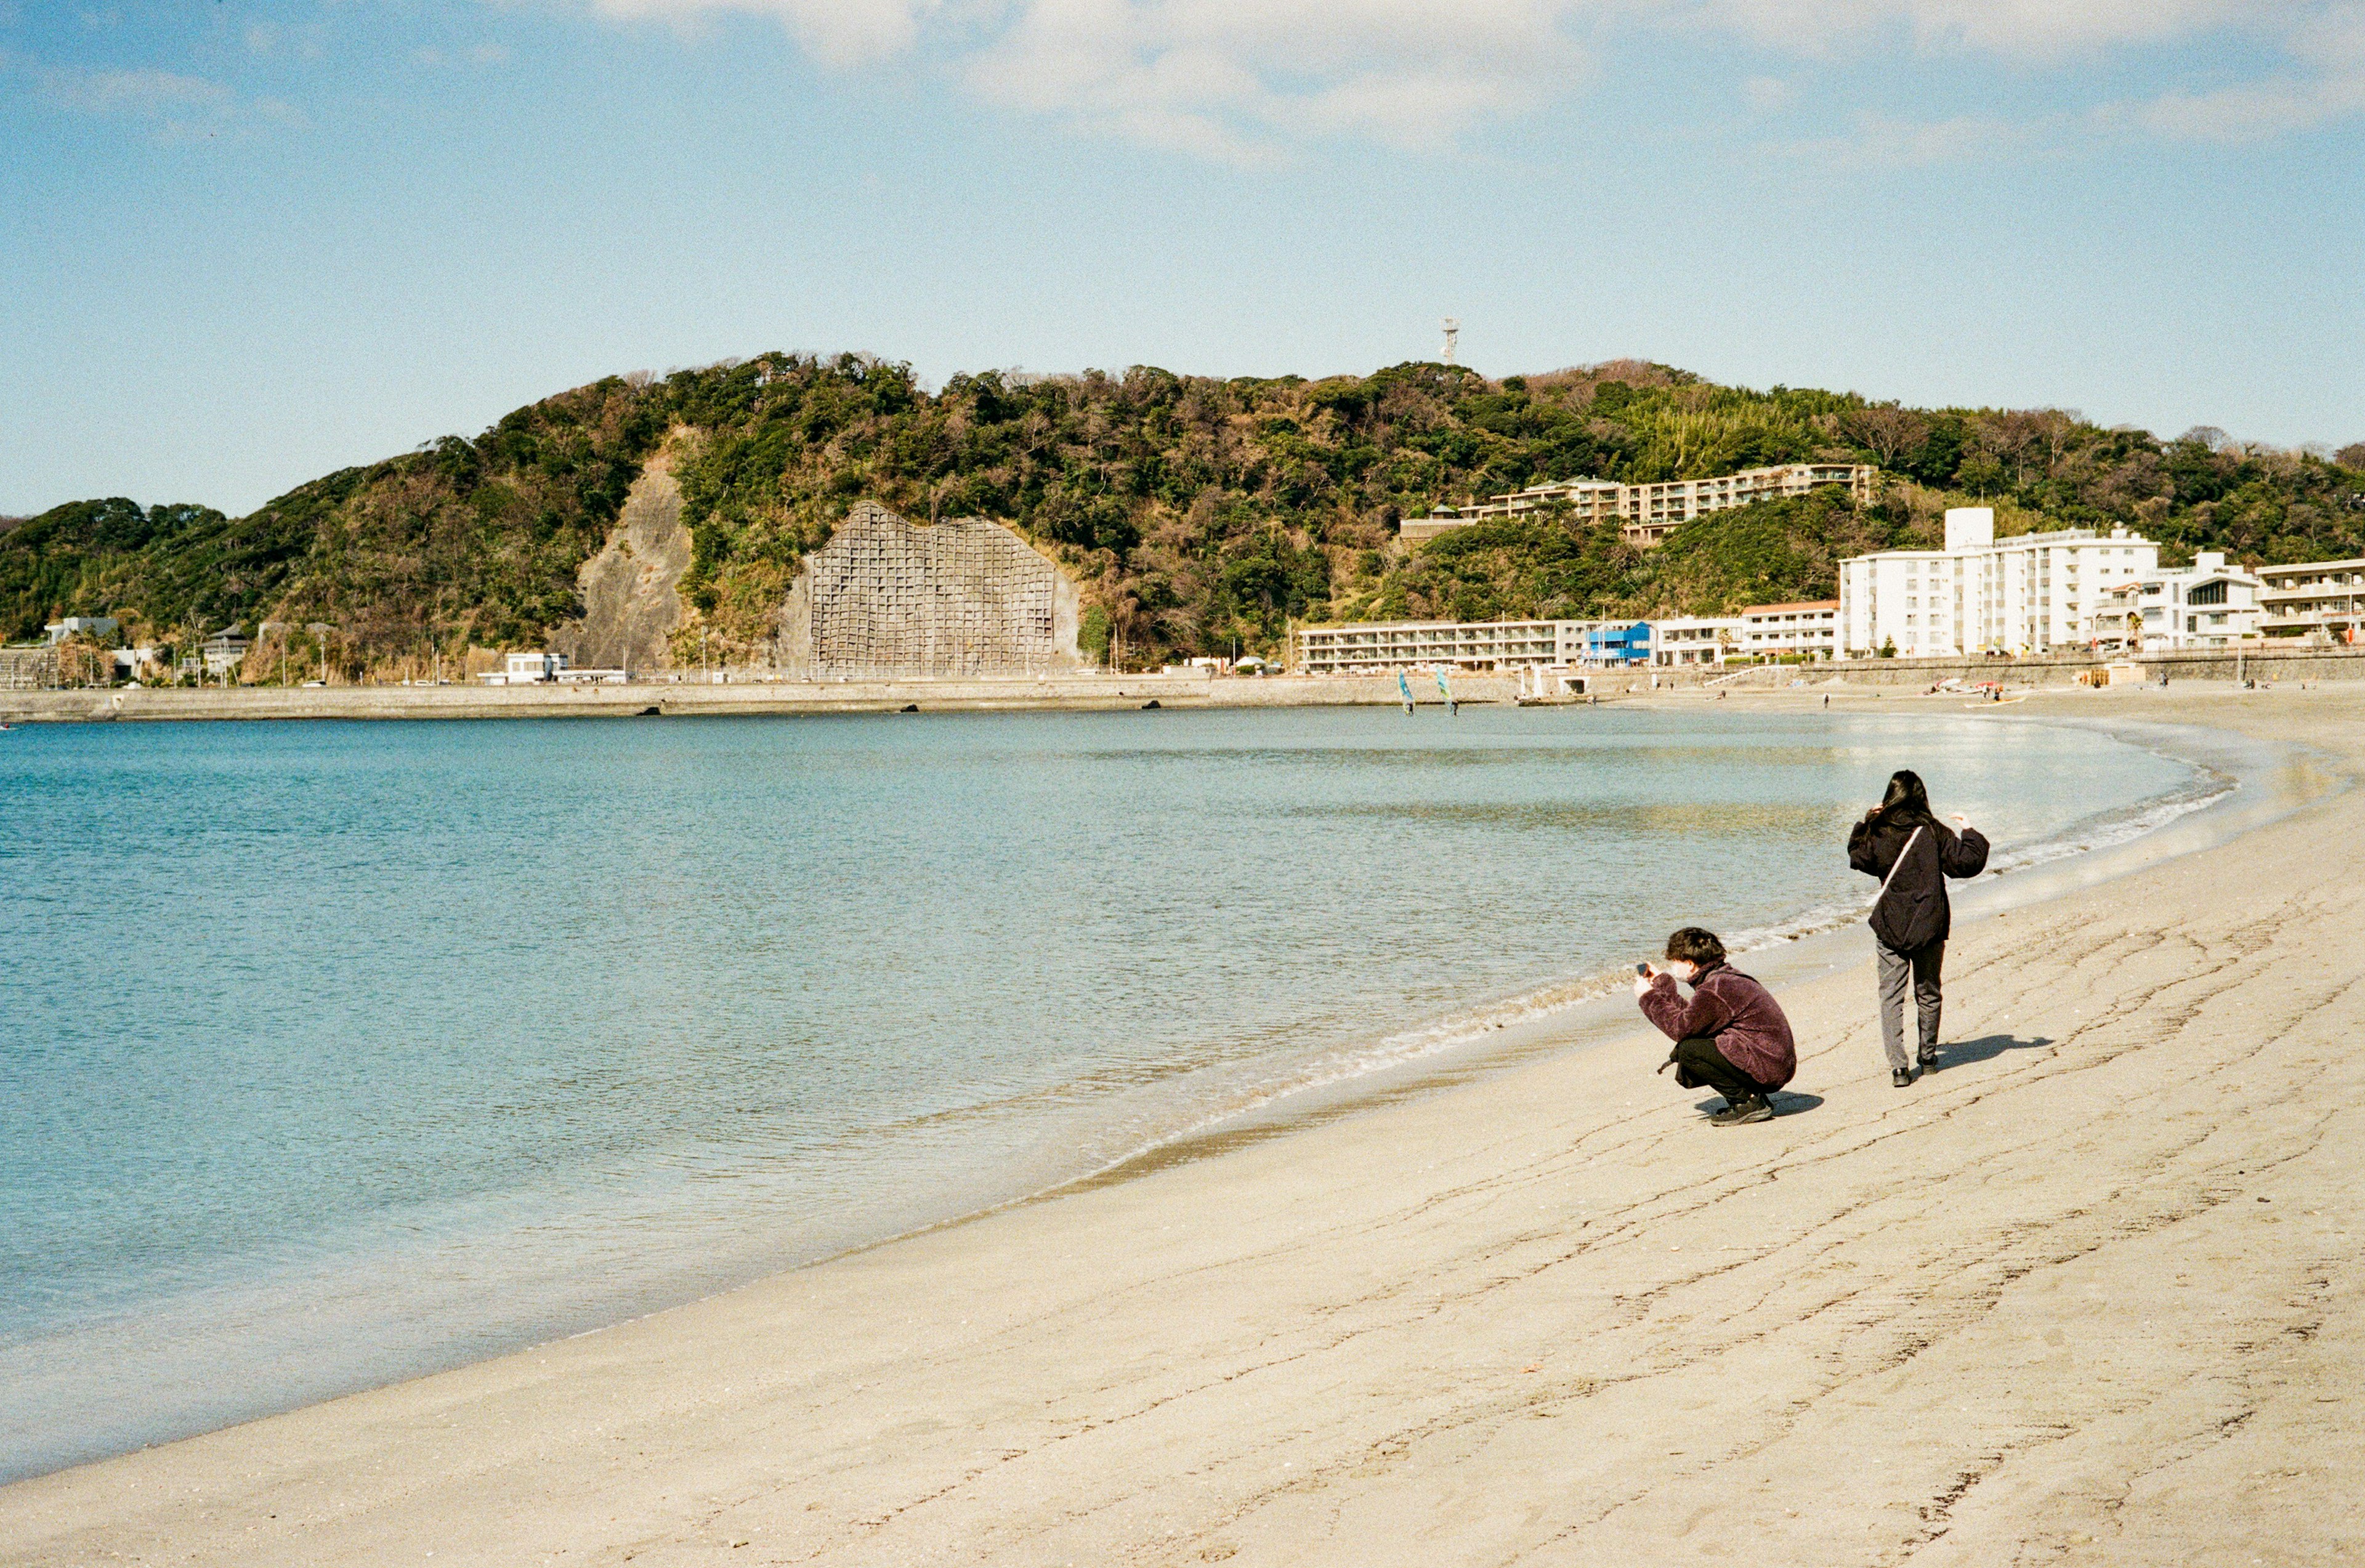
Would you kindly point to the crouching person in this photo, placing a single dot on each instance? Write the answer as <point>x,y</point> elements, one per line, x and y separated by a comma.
<point>1729,1036</point>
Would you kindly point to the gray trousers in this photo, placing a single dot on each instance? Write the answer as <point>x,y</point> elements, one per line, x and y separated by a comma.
<point>1920,967</point>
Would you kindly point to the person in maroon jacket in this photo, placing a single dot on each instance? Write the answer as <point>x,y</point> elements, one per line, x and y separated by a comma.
<point>1729,1036</point>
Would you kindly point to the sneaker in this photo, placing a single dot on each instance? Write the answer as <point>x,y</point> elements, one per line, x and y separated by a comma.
<point>1902,1078</point>
<point>1928,1063</point>
<point>1756,1109</point>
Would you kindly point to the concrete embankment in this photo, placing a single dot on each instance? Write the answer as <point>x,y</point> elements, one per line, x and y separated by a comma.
<point>785,697</point>
<point>2066,669</point>
<point>1089,693</point>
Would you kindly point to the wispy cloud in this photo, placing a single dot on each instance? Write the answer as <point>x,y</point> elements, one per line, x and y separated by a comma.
<point>1246,80</point>
<point>2325,86</point>
<point>2025,30</point>
<point>836,32</point>
<point>1880,142</point>
<point>1241,79</point>
<point>173,107</point>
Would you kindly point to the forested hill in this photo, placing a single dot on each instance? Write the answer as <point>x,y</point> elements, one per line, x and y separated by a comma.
<point>1195,512</point>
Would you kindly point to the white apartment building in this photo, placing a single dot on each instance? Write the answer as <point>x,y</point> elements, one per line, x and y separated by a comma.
<point>1646,512</point>
<point>1377,648</point>
<point>1777,631</point>
<point>1694,640</point>
<point>2206,605</point>
<point>2314,599</point>
<point>2024,594</point>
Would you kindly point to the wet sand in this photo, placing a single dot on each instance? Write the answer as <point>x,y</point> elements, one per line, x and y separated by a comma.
<point>2088,1294</point>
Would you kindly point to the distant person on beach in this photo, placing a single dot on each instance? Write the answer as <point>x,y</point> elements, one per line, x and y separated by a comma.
<point>1913,853</point>
<point>1729,1036</point>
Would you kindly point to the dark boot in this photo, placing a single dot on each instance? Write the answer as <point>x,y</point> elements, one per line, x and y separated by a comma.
<point>1741,1113</point>
<point>1902,1078</point>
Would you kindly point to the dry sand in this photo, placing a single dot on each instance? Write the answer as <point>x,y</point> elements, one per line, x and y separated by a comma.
<point>2089,1294</point>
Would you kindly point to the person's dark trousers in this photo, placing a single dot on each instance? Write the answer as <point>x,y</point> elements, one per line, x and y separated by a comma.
<point>1920,967</point>
<point>1699,1065</point>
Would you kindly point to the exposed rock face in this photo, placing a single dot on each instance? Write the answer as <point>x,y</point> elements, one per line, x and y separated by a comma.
<point>631,588</point>
<point>887,595</point>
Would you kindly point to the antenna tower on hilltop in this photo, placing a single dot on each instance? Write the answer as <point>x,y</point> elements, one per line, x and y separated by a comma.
<point>1453,336</point>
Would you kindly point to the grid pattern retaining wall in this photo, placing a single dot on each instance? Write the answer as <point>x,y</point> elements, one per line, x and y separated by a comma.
<point>892,597</point>
<point>28,669</point>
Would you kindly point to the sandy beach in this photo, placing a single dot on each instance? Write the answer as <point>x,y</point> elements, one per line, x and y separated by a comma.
<point>2088,1294</point>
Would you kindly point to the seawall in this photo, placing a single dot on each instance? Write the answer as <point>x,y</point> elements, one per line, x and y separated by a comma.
<point>1091,692</point>
<point>673,701</point>
<point>2066,669</point>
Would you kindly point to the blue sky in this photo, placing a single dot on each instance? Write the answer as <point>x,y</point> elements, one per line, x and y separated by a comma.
<point>244,243</point>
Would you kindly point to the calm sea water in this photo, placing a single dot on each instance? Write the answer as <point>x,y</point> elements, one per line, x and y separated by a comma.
<point>333,1053</point>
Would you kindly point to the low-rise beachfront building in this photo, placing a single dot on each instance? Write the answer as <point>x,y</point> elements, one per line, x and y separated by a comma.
<point>2206,605</point>
<point>2024,594</point>
<point>550,670</point>
<point>1613,645</point>
<point>1804,627</point>
<point>2319,600</point>
<point>1377,648</point>
<point>1646,513</point>
<point>1694,640</point>
<point>527,670</point>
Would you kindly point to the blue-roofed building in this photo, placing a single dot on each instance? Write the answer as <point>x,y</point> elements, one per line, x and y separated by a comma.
<point>1615,645</point>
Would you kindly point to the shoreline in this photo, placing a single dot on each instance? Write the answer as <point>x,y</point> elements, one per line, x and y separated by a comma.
<point>1790,953</point>
<point>1479,1035</point>
<point>1195,1196</point>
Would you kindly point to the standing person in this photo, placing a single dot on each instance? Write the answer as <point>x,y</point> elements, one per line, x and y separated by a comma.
<point>1913,853</point>
<point>1731,1036</point>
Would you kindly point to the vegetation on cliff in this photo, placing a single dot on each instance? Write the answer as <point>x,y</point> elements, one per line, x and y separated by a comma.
<point>1198,514</point>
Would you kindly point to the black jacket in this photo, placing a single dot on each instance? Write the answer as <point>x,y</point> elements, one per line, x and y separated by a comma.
<point>1915,911</point>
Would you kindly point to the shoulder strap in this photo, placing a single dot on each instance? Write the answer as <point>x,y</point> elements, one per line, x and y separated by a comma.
<point>1899,866</point>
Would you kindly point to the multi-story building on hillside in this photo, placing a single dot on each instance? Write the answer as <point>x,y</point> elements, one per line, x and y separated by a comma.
<point>2206,605</point>
<point>2024,594</point>
<point>2317,599</point>
<point>1645,513</point>
<point>1377,647</point>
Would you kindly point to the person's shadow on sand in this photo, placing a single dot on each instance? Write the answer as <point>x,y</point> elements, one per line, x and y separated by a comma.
<point>1962,1054</point>
<point>1984,1049</point>
<point>1785,1103</point>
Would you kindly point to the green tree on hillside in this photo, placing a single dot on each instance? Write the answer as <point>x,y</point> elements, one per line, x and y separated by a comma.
<point>1193,512</point>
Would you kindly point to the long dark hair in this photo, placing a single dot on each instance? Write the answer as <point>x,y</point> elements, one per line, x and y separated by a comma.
<point>1907,801</point>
